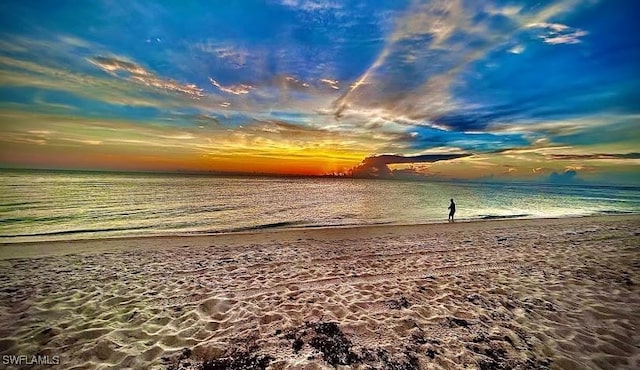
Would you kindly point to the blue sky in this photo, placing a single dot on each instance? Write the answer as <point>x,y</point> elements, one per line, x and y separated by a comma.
<point>521,89</point>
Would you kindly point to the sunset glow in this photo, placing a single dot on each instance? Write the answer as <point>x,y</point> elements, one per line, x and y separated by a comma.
<point>530,91</point>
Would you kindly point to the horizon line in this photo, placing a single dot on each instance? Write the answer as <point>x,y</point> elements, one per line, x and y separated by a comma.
<point>214,173</point>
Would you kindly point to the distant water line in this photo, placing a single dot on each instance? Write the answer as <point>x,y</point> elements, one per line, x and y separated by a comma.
<point>54,205</point>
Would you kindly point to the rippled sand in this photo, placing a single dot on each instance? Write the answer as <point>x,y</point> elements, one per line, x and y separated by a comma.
<point>527,294</point>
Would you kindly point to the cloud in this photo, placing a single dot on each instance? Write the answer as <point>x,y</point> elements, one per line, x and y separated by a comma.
<point>235,90</point>
<point>567,177</point>
<point>288,83</point>
<point>558,127</point>
<point>427,57</point>
<point>440,150</point>
<point>63,72</point>
<point>594,156</point>
<point>556,33</point>
<point>377,166</point>
<point>236,57</point>
<point>254,138</point>
<point>134,72</point>
<point>331,83</point>
<point>87,142</point>
<point>113,66</point>
<point>440,39</point>
<point>312,5</point>
<point>518,49</point>
<point>20,73</point>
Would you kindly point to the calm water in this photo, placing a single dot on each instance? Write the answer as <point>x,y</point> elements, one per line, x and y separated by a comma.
<point>42,205</point>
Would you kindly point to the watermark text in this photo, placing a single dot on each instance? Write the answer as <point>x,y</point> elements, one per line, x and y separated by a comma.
<point>30,360</point>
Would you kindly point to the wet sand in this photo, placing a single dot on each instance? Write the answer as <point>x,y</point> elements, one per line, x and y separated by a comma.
<point>511,294</point>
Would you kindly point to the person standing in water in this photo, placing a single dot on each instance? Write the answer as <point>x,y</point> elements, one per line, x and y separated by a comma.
<point>452,210</point>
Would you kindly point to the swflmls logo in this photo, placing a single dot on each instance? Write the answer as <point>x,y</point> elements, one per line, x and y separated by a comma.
<point>30,360</point>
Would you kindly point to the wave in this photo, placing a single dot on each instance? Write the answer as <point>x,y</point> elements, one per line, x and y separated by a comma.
<point>290,225</point>
<point>615,212</point>
<point>14,220</point>
<point>272,225</point>
<point>76,231</point>
<point>587,213</point>
<point>348,224</point>
<point>12,204</point>
<point>500,217</point>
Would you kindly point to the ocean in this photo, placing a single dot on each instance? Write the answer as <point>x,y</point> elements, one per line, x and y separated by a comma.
<point>54,205</point>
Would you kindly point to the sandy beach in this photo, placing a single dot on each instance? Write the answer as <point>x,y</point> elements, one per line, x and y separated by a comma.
<point>510,294</point>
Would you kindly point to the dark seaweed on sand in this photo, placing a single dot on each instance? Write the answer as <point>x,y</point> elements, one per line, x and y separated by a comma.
<point>336,349</point>
<point>241,361</point>
<point>326,338</point>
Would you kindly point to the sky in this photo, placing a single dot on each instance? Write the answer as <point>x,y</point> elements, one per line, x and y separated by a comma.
<point>467,90</point>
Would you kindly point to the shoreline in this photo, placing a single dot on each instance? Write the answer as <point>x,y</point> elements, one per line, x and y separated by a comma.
<point>42,238</point>
<point>25,249</point>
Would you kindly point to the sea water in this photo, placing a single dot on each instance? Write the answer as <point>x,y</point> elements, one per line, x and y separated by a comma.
<point>51,205</point>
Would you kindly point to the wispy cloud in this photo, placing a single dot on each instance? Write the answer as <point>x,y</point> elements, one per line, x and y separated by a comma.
<point>556,33</point>
<point>118,91</point>
<point>331,83</point>
<point>518,49</point>
<point>134,72</point>
<point>631,156</point>
<point>257,139</point>
<point>231,54</point>
<point>312,5</point>
<point>443,40</point>
<point>235,90</point>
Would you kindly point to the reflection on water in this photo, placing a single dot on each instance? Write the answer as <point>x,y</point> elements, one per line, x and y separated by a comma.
<point>68,205</point>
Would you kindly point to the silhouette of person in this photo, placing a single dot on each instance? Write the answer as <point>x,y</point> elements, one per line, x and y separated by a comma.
<point>452,210</point>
